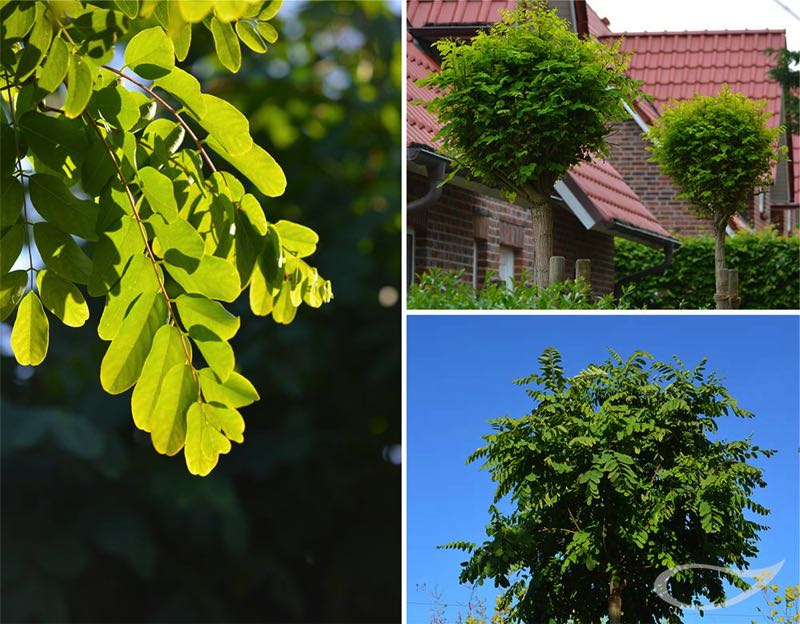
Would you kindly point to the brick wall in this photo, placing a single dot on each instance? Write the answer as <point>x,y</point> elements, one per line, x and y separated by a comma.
<point>448,234</point>
<point>631,159</point>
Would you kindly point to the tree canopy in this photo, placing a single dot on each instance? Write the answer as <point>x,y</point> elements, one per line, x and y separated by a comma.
<point>614,476</point>
<point>147,173</point>
<point>718,150</point>
<point>527,99</point>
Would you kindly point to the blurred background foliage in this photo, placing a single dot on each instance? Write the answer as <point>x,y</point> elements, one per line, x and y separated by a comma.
<point>302,522</point>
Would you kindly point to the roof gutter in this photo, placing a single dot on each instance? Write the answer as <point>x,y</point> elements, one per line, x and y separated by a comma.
<point>435,167</point>
<point>655,270</point>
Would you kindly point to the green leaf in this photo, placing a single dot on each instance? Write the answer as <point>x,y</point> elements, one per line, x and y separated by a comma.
<point>250,37</point>
<point>62,298</point>
<point>60,143</point>
<point>158,191</point>
<point>126,354</point>
<point>297,238</point>
<point>270,9</point>
<point>237,391</point>
<point>182,40</point>
<point>11,245</point>
<point>12,287</point>
<point>284,309</point>
<point>261,293</point>
<point>227,126</point>
<point>197,311</point>
<point>150,53</point>
<point>227,45</point>
<point>61,254</point>
<point>268,32</point>
<point>168,420</point>
<point>249,241</point>
<point>227,420</point>
<point>138,278</point>
<point>194,11</point>
<point>256,165</point>
<point>186,88</point>
<point>116,105</point>
<point>54,70</point>
<point>118,243</point>
<point>54,201</point>
<point>31,332</point>
<point>36,45</point>
<point>204,443</point>
<point>165,353</point>
<point>18,20</point>
<point>80,76</point>
<point>97,170</point>
<point>12,198</point>
<point>128,7</point>
<point>217,353</point>
<point>229,10</point>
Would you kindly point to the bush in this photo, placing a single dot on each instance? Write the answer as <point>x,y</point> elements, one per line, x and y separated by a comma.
<point>768,265</point>
<point>438,289</point>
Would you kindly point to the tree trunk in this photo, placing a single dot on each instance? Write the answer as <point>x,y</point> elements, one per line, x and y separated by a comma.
<point>542,222</point>
<point>721,291</point>
<point>615,605</point>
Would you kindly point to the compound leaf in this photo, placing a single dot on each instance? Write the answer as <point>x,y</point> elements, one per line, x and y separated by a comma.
<point>31,332</point>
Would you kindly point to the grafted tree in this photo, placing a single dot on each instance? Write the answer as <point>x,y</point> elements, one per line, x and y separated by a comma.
<point>523,102</point>
<point>719,152</point>
<point>613,477</point>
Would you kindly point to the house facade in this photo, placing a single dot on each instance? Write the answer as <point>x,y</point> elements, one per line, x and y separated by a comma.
<point>467,226</point>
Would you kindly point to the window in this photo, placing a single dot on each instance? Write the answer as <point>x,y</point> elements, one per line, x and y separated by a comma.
<point>474,264</point>
<point>507,265</point>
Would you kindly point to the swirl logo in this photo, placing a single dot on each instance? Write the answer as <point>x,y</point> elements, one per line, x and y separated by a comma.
<point>763,576</point>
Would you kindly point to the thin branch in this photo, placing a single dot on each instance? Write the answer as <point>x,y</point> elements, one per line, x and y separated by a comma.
<point>21,175</point>
<point>166,105</point>
<point>153,261</point>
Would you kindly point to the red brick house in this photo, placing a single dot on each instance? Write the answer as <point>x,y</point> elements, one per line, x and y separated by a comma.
<point>466,225</point>
<point>678,65</point>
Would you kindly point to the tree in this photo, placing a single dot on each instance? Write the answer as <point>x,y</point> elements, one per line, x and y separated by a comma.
<point>612,478</point>
<point>787,73</point>
<point>718,151</point>
<point>524,102</point>
<point>167,233</point>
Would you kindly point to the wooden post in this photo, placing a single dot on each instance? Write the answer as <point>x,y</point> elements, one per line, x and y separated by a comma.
<point>733,288</point>
<point>558,269</point>
<point>722,297</point>
<point>583,269</point>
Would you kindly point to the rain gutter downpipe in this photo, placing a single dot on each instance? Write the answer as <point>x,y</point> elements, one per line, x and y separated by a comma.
<point>436,172</point>
<point>655,270</point>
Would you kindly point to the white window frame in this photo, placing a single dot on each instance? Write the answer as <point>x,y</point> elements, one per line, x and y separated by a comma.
<point>508,279</point>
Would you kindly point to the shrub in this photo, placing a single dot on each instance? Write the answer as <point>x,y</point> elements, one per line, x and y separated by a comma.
<point>438,289</point>
<point>768,265</point>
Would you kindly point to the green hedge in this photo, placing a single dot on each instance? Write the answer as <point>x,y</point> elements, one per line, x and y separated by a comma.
<point>769,272</point>
<point>437,289</point>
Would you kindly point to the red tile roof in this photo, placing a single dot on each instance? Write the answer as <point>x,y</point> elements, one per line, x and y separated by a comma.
<point>613,198</point>
<point>678,65</point>
<point>429,12</point>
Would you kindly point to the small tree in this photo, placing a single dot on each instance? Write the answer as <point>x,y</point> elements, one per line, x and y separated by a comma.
<point>718,151</point>
<point>787,73</point>
<point>613,478</point>
<point>524,102</point>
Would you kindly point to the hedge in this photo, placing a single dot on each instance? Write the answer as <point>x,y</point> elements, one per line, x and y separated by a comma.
<point>768,265</point>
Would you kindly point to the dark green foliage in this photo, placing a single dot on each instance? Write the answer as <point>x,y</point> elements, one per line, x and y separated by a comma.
<point>302,523</point>
<point>614,476</point>
<point>768,265</point>
<point>790,81</point>
<point>524,101</point>
<point>437,289</point>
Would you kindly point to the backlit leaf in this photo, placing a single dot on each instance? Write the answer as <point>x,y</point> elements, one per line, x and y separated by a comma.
<point>117,245</point>
<point>138,278</point>
<point>62,298</point>
<point>165,353</point>
<point>237,391</point>
<point>158,191</point>
<point>198,311</point>
<point>31,332</point>
<point>168,420</point>
<point>227,45</point>
<point>54,70</point>
<point>217,353</point>
<point>128,7</point>
<point>11,245</point>
<point>297,238</point>
<point>204,443</point>
<point>126,354</point>
<point>250,37</point>
<point>184,87</point>
<point>256,165</point>
<point>62,254</point>
<point>12,196</point>
<point>54,201</point>
<point>227,126</point>
<point>80,76</point>
<point>12,287</point>
<point>150,53</point>
<point>194,11</point>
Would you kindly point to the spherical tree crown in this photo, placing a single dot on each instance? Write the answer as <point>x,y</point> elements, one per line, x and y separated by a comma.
<point>717,150</point>
<point>524,101</point>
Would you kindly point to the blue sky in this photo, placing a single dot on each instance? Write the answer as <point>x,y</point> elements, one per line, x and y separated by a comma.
<point>460,370</point>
